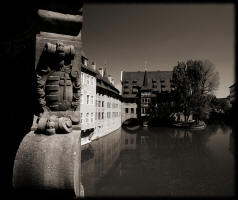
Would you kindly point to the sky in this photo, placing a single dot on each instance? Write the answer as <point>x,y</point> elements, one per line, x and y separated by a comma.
<point>132,37</point>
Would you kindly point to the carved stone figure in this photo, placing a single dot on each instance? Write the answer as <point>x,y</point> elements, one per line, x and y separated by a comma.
<point>58,89</point>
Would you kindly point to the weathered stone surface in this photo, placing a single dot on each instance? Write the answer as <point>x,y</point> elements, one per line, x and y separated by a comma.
<point>55,22</point>
<point>49,162</point>
<point>57,68</point>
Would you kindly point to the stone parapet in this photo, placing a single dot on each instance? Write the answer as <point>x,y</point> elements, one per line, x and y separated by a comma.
<point>49,162</point>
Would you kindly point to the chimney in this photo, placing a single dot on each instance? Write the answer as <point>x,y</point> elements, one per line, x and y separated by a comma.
<point>93,66</point>
<point>85,61</point>
<point>121,75</point>
<point>110,78</point>
<point>101,71</point>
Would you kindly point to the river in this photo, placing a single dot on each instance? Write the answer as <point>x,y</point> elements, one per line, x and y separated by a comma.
<point>161,162</point>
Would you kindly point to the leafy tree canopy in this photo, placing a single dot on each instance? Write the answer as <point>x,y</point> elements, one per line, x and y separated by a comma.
<point>195,82</point>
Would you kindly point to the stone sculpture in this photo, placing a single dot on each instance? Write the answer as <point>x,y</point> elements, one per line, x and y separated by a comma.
<point>58,90</point>
<point>45,160</point>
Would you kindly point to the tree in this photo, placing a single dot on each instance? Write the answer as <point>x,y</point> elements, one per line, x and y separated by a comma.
<point>194,81</point>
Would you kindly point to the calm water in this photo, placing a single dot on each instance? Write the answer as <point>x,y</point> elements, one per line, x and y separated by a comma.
<point>161,162</point>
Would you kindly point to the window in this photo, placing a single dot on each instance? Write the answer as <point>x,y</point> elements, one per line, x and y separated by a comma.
<point>132,140</point>
<point>81,117</point>
<point>102,103</point>
<point>102,115</point>
<point>87,79</point>
<point>91,100</point>
<point>126,141</point>
<point>99,115</point>
<point>81,98</point>
<point>82,77</point>
<point>143,110</point>
<point>91,117</point>
<point>87,99</point>
<point>126,110</point>
<point>99,102</point>
<point>132,110</point>
<point>87,115</point>
<point>96,114</point>
<point>91,80</point>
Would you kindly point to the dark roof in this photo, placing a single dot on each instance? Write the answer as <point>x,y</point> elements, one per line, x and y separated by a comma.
<point>156,80</point>
<point>88,69</point>
<point>103,82</point>
<point>145,85</point>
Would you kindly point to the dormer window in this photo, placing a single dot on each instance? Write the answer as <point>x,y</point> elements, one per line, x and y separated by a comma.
<point>134,90</point>
<point>126,91</point>
<point>162,83</point>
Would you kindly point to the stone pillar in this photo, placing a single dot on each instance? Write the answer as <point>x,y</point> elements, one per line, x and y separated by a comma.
<point>49,163</point>
<point>46,160</point>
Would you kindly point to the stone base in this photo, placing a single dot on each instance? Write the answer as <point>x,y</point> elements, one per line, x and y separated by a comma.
<point>49,163</point>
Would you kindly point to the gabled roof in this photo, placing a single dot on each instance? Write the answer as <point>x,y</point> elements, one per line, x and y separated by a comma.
<point>156,80</point>
<point>145,85</point>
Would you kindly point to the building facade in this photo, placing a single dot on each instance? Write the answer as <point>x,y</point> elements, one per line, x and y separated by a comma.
<point>140,90</point>
<point>87,97</point>
<point>233,93</point>
<point>108,105</point>
<point>100,109</point>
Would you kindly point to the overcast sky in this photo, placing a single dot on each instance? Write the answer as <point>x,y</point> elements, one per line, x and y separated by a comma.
<point>125,36</point>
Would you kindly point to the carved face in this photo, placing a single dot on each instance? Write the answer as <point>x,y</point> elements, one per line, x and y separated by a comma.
<point>60,50</point>
<point>51,123</point>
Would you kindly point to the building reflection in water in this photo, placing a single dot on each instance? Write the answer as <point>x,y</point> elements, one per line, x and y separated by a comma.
<point>166,162</point>
<point>232,142</point>
<point>98,158</point>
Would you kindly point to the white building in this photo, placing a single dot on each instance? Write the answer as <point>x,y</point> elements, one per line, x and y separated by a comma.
<point>88,97</point>
<point>100,106</point>
<point>108,105</point>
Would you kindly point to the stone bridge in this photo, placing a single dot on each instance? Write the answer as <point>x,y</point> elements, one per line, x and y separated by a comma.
<point>128,111</point>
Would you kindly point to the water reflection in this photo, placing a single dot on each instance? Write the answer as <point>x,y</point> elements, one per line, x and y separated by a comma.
<point>232,142</point>
<point>169,162</point>
<point>98,158</point>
